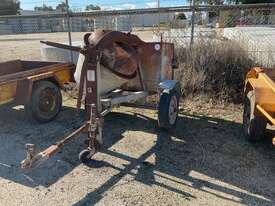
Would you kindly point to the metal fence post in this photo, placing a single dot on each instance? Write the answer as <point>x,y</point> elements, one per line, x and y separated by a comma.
<point>69,28</point>
<point>192,23</point>
<point>95,24</point>
<point>158,16</point>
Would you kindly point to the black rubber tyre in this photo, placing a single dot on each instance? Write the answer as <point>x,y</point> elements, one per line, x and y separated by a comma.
<point>253,126</point>
<point>84,156</point>
<point>168,110</point>
<point>46,102</point>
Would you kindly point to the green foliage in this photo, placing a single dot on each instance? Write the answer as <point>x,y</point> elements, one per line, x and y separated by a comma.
<point>208,2</point>
<point>61,7</point>
<point>92,7</point>
<point>256,1</point>
<point>222,2</point>
<point>43,8</point>
<point>9,7</point>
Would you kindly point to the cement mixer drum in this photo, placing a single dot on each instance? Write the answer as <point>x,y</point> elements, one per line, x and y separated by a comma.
<point>140,65</point>
<point>119,57</point>
<point>126,61</point>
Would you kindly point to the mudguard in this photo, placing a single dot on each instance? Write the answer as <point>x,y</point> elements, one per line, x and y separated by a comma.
<point>170,85</point>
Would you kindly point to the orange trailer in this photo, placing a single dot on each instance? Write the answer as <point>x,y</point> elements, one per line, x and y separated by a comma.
<point>259,104</point>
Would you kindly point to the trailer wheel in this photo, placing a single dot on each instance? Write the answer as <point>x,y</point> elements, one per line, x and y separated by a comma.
<point>46,102</point>
<point>168,110</point>
<point>86,155</point>
<point>253,126</point>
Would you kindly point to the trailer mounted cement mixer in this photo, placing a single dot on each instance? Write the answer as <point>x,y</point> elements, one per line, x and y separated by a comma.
<point>116,68</point>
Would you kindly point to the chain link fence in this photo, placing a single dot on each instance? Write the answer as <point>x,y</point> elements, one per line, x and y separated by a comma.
<point>252,27</point>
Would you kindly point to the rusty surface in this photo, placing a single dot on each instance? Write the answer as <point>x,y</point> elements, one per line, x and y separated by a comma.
<point>126,54</point>
<point>23,72</point>
<point>7,93</point>
<point>62,46</point>
<point>34,159</point>
<point>155,64</point>
<point>118,51</point>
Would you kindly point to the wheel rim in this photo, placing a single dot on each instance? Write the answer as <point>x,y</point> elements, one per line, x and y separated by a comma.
<point>173,110</point>
<point>47,101</point>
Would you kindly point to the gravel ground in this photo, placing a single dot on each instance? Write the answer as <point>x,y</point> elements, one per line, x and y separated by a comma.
<point>204,161</point>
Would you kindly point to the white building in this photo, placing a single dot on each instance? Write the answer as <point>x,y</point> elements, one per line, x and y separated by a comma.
<point>40,24</point>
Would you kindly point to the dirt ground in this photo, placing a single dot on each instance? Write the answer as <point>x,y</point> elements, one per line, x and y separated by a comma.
<point>204,161</point>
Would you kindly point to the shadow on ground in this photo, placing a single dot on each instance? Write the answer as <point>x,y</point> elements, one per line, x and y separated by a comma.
<point>199,146</point>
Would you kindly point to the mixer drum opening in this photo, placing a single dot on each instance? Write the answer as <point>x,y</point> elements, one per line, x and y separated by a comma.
<point>120,59</point>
